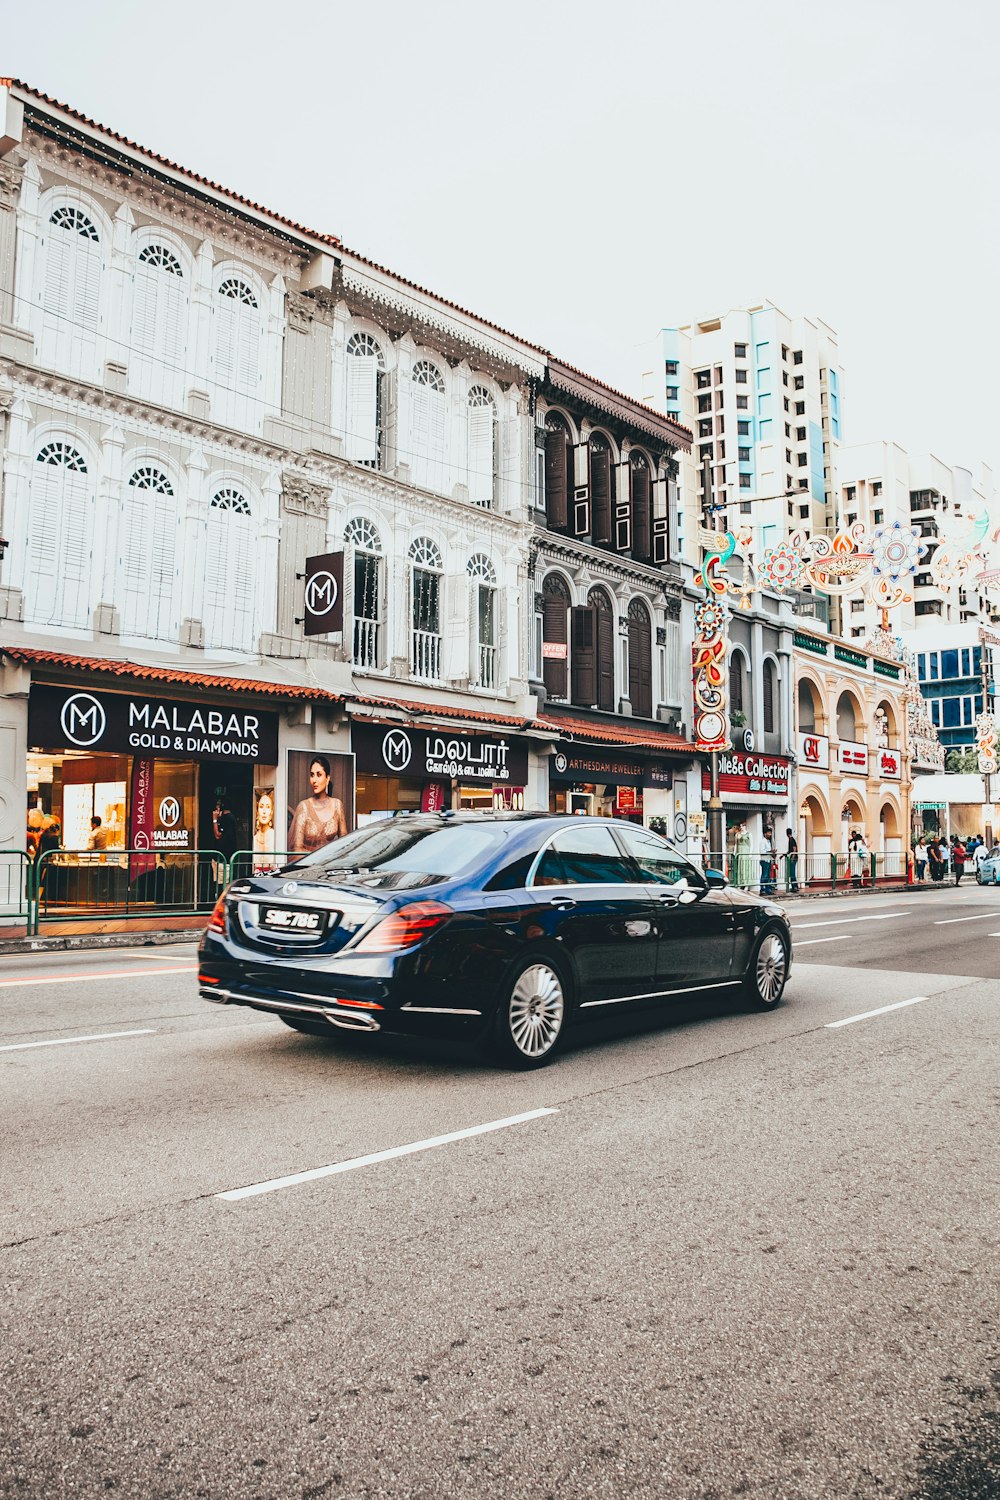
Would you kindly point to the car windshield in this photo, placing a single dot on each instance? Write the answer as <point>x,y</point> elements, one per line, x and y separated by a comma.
<point>405,845</point>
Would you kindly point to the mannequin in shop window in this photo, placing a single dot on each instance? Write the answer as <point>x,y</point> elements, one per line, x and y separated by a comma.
<point>318,819</point>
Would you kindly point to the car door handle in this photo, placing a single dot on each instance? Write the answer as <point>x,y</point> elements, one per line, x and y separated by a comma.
<point>666,900</point>
<point>563,902</point>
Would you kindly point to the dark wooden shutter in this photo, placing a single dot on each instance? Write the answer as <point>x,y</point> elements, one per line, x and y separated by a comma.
<point>606,659</point>
<point>641,511</point>
<point>554,672</point>
<point>556,478</point>
<point>583,646</point>
<point>640,665</point>
<point>600,489</point>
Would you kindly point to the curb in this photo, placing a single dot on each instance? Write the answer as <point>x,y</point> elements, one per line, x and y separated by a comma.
<point>100,940</point>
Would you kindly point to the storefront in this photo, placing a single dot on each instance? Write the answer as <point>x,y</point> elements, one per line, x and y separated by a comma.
<point>754,789</point>
<point>111,770</point>
<point>403,768</point>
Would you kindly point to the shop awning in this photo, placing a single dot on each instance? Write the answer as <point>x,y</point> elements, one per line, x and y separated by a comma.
<point>396,709</point>
<point>130,671</point>
<point>618,731</point>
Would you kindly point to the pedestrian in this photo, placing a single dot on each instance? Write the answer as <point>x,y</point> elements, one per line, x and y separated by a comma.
<point>981,853</point>
<point>959,855</point>
<point>791,862</point>
<point>766,863</point>
<point>857,857</point>
<point>742,858</point>
<point>935,858</point>
<point>920,857</point>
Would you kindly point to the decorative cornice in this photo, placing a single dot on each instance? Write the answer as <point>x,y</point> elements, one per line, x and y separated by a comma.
<point>11,177</point>
<point>301,496</point>
<point>602,564</point>
<point>303,310</point>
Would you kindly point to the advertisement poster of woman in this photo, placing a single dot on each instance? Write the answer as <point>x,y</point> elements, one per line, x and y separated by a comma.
<point>263,820</point>
<point>320,799</point>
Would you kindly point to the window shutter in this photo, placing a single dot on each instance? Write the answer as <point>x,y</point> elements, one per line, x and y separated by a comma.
<point>226,338</point>
<point>606,660</point>
<point>76,551</point>
<point>641,508</point>
<point>420,434</point>
<point>136,543</point>
<point>554,673</point>
<point>47,485</point>
<point>580,493</point>
<point>482,455</point>
<point>243,574</point>
<point>640,666</point>
<point>661,524</point>
<point>556,478</point>
<point>362,408</point>
<point>600,490</point>
<point>216,569</point>
<point>584,656</point>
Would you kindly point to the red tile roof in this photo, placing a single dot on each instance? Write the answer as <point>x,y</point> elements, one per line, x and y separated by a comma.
<point>442,711</point>
<point>621,732</point>
<point>143,672</point>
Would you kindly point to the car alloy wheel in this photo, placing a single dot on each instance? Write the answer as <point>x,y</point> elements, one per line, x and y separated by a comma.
<point>769,971</point>
<point>530,1023</point>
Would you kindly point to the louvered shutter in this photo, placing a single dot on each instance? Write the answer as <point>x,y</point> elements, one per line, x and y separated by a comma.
<point>226,338</point>
<point>600,491</point>
<point>137,516</point>
<point>439,438</point>
<point>243,575</point>
<point>482,456</point>
<point>247,352</point>
<point>640,668</point>
<point>605,660</point>
<point>76,551</point>
<point>216,568</point>
<point>362,408</point>
<point>420,434</point>
<point>144,309</point>
<point>43,542</point>
<point>163,566</point>
<point>71,301</point>
<point>583,659</point>
<point>554,631</point>
<point>641,512</point>
<point>556,479</point>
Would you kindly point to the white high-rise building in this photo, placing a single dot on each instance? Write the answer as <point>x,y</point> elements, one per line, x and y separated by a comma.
<point>762,393</point>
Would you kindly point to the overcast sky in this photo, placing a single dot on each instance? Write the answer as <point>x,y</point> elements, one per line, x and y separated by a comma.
<point>585,174</point>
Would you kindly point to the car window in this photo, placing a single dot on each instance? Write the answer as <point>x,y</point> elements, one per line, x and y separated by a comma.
<point>402,844</point>
<point>583,856</point>
<point>658,863</point>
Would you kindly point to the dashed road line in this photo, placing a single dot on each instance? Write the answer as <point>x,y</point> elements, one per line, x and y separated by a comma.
<point>866,1015</point>
<point>91,978</point>
<point>65,1041</point>
<point>882,916</point>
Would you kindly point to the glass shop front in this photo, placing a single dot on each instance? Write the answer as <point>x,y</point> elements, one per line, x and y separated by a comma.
<point>400,768</point>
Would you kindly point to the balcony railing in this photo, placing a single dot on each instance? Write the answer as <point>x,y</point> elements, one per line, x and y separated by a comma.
<point>366,643</point>
<point>487,666</point>
<point>426,655</point>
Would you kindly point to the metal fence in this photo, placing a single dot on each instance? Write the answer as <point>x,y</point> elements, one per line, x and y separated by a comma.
<point>79,885</point>
<point>806,872</point>
<point>15,883</point>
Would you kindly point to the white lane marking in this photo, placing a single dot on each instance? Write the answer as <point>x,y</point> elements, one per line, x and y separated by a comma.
<point>64,1041</point>
<point>867,1014</point>
<point>883,916</point>
<point>982,917</point>
<point>90,978</point>
<point>841,937</point>
<point>156,958</point>
<point>364,1161</point>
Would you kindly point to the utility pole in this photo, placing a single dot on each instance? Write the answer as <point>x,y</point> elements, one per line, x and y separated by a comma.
<point>985,667</point>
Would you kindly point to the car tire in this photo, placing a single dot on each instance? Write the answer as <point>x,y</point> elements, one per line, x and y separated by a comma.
<point>767,972</point>
<point>530,1021</point>
<point>311,1027</point>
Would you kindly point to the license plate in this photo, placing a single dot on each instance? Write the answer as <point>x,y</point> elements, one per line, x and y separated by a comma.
<point>291,919</point>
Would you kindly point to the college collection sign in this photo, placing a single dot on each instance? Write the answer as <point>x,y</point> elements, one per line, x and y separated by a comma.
<point>765,775</point>
<point>392,750</point>
<point>133,724</point>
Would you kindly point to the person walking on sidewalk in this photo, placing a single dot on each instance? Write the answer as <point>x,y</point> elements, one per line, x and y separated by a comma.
<point>857,857</point>
<point>958,858</point>
<point>766,863</point>
<point>920,857</point>
<point>791,862</point>
<point>935,857</point>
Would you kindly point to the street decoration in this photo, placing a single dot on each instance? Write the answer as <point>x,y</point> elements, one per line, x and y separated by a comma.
<point>986,743</point>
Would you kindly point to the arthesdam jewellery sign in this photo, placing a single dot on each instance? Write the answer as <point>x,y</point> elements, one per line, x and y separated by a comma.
<point>134,724</point>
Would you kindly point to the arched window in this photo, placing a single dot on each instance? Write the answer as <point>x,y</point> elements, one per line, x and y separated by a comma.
<point>736,703</point>
<point>483,613</point>
<point>847,724</point>
<point>641,507</point>
<point>482,446</point>
<point>428,423</point>
<point>604,640</point>
<point>365,375</point>
<point>148,539</point>
<point>71,292</point>
<point>368,564</point>
<point>807,708</point>
<point>60,538</point>
<point>770,688</point>
<point>159,326</point>
<point>425,609</point>
<point>237,337</point>
<point>640,660</point>
<point>602,487</point>
<point>230,572</point>
<point>558,473</point>
<point>555,635</point>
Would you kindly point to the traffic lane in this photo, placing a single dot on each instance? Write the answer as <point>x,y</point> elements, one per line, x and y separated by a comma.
<point>60,960</point>
<point>958,936</point>
<point>228,1097</point>
<point>765,1275</point>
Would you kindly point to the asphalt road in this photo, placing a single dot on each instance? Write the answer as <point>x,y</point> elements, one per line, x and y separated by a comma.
<point>725,1254</point>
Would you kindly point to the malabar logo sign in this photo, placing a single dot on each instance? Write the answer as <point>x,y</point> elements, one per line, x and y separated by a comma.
<point>384,750</point>
<point>157,728</point>
<point>324,594</point>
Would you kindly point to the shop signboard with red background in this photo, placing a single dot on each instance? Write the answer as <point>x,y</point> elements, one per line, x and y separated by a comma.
<point>747,773</point>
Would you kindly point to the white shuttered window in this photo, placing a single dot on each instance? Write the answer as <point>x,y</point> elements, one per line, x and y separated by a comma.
<point>149,530</point>
<point>237,337</point>
<point>482,446</point>
<point>428,422</point>
<point>230,572</point>
<point>159,326</point>
<point>365,373</point>
<point>71,292</point>
<point>60,538</point>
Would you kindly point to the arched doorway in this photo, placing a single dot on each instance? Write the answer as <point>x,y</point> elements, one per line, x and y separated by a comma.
<point>852,819</point>
<point>890,840</point>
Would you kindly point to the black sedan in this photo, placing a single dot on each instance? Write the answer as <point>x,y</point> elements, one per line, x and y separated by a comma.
<point>505,926</point>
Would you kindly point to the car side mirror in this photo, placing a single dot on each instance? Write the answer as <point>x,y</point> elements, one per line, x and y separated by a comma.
<point>715,879</point>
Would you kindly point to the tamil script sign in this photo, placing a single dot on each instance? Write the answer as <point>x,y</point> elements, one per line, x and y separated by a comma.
<point>134,724</point>
<point>392,750</point>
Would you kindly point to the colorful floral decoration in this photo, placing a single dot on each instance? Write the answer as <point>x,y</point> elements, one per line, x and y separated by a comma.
<point>896,553</point>
<point>781,567</point>
<point>986,743</point>
<point>708,651</point>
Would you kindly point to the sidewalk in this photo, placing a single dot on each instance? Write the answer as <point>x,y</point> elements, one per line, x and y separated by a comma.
<point>108,933</point>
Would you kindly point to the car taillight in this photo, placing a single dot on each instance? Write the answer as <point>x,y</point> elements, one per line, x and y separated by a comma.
<point>217,921</point>
<point>405,927</point>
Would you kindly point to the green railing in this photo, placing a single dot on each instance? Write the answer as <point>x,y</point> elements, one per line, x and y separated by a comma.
<point>16,883</point>
<point>83,885</point>
<point>811,871</point>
